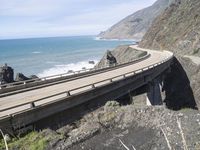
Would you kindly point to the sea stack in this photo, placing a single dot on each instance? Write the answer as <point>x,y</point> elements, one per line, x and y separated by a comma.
<point>6,74</point>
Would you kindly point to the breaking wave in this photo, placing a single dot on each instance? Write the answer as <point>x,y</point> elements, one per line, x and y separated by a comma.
<point>64,68</point>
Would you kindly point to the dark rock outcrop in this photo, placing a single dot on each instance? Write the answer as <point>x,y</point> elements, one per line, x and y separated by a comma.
<point>33,77</point>
<point>91,62</point>
<point>120,55</point>
<point>21,77</point>
<point>136,25</point>
<point>111,60</point>
<point>6,74</point>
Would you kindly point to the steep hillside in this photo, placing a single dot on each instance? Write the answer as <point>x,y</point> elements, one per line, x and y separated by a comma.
<point>178,30</point>
<point>135,25</point>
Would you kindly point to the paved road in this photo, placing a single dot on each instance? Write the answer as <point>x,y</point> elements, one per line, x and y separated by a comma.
<point>30,96</point>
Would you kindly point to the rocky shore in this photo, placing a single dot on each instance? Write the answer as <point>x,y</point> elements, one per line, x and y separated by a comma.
<point>7,75</point>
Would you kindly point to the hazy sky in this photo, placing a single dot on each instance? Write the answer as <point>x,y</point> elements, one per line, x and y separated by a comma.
<point>43,18</point>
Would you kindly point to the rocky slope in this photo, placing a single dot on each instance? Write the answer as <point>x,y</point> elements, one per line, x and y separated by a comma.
<point>177,29</point>
<point>113,125</point>
<point>122,54</point>
<point>135,25</point>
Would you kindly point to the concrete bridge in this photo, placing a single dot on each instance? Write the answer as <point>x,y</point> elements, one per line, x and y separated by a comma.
<point>23,104</point>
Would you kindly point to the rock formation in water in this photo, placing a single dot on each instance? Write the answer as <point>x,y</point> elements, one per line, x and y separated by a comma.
<point>135,25</point>
<point>21,77</point>
<point>33,77</point>
<point>6,74</point>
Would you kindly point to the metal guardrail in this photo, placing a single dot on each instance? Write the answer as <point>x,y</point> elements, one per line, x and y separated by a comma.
<point>44,78</point>
<point>90,86</point>
<point>15,84</point>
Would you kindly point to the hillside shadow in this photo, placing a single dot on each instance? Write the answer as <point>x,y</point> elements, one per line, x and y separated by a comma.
<point>177,88</point>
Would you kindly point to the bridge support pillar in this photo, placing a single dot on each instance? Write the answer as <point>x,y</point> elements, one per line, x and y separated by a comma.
<point>153,96</point>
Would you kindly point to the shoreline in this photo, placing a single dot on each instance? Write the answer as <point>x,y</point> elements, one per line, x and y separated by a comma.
<point>65,68</point>
<point>97,38</point>
<point>35,56</point>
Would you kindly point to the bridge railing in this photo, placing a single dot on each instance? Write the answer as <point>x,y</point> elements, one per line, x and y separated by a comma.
<point>74,91</point>
<point>71,74</point>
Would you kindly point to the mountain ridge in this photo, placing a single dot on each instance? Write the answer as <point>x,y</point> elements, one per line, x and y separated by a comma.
<point>176,29</point>
<point>135,25</point>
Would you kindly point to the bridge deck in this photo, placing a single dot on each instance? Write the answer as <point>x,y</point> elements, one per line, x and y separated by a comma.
<point>30,96</point>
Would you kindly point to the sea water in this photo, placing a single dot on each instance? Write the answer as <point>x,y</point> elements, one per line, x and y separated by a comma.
<point>51,56</point>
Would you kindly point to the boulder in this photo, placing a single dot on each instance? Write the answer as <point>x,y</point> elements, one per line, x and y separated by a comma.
<point>70,71</point>
<point>33,77</point>
<point>21,77</point>
<point>111,60</point>
<point>6,74</point>
<point>91,62</point>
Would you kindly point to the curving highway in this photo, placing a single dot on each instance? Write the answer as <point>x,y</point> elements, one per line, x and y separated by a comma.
<point>59,89</point>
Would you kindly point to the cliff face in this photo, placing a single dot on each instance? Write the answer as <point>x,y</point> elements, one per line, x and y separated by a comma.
<point>178,29</point>
<point>136,25</point>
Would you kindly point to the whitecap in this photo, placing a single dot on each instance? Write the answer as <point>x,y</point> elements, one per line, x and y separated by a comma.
<point>64,68</point>
<point>36,52</point>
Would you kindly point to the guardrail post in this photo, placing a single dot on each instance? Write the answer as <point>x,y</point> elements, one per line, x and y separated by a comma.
<point>93,86</point>
<point>68,93</point>
<point>32,105</point>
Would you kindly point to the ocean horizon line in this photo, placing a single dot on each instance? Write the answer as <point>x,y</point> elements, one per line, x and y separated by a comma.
<point>45,37</point>
<point>96,37</point>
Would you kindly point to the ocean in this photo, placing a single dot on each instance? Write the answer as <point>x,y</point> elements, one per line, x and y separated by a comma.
<point>56,55</point>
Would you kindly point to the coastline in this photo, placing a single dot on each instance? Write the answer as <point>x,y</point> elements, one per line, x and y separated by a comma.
<point>58,55</point>
<point>115,39</point>
<point>64,68</point>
